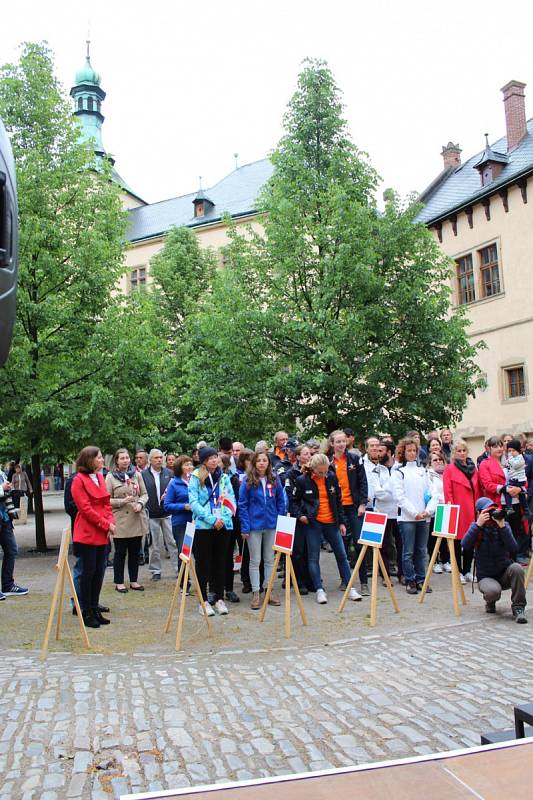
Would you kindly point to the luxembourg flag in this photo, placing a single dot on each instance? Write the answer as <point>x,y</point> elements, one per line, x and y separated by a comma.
<point>446,520</point>
<point>228,502</point>
<point>373,529</point>
<point>188,540</point>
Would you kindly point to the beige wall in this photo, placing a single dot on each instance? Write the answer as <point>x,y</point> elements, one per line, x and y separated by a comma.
<point>504,322</point>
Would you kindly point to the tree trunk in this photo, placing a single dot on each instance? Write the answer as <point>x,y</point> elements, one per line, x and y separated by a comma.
<point>40,534</point>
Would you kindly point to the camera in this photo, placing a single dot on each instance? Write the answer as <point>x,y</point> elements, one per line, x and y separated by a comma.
<point>497,514</point>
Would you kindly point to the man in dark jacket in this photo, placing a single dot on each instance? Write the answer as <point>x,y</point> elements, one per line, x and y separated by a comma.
<point>156,478</point>
<point>495,548</point>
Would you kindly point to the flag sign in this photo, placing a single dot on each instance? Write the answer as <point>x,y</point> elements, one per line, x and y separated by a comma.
<point>373,529</point>
<point>446,521</point>
<point>186,547</point>
<point>284,538</point>
<point>228,503</point>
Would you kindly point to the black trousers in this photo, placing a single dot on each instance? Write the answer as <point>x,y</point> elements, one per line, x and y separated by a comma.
<point>130,546</point>
<point>210,552</point>
<point>234,536</point>
<point>464,557</point>
<point>93,559</point>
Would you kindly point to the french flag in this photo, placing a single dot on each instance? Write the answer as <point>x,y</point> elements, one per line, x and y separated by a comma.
<point>373,529</point>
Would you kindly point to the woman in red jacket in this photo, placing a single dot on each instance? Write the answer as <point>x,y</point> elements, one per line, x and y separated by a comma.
<point>462,488</point>
<point>94,525</point>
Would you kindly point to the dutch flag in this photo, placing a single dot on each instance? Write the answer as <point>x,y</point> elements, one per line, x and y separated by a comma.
<point>373,529</point>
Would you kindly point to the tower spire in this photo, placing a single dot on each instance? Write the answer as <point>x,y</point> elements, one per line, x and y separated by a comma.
<point>88,97</point>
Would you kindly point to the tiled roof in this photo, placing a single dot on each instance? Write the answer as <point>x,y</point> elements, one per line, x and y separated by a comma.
<point>236,194</point>
<point>121,182</point>
<point>456,188</point>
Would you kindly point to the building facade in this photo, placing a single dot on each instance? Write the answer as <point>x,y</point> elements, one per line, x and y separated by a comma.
<point>481,213</point>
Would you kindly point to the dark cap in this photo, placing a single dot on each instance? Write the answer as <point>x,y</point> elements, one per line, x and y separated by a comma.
<point>292,443</point>
<point>483,503</point>
<point>515,444</point>
<point>205,453</point>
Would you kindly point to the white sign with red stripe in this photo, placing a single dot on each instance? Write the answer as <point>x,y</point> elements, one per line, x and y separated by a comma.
<point>284,539</point>
<point>446,521</point>
<point>373,529</point>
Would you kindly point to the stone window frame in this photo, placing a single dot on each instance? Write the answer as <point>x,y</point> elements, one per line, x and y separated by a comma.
<point>506,369</point>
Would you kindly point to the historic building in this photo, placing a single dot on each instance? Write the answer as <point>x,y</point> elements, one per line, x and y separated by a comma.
<point>480,215</point>
<point>478,211</point>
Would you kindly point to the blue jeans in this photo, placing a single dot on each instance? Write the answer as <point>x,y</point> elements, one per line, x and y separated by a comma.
<point>9,546</point>
<point>178,532</point>
<point>414,549</point>
<point>330,532</point>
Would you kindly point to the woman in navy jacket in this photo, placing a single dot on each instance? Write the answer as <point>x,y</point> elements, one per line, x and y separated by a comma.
<point>177,498</point>
<point>261,499</point>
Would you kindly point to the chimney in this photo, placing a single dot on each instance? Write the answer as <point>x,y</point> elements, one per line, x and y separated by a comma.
<point>451,154</point>
<point>515,113</point>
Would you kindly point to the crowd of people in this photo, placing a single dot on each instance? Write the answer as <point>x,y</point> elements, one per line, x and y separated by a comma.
<point>234,495</point>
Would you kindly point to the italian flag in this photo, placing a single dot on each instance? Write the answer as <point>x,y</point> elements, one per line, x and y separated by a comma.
<point>446,520</point>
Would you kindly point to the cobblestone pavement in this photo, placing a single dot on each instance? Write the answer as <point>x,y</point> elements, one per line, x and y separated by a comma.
<point>98,726</point>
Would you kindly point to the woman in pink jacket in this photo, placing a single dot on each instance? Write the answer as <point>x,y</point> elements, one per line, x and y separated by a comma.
<point>462,488</point>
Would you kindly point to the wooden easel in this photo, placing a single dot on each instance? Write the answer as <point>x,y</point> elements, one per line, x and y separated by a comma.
<point>290,579</point>
<point>377,562</point>
<point>457,588</point>
<point>63,570</point>
<point>187,565</point>
<point>529,570</point>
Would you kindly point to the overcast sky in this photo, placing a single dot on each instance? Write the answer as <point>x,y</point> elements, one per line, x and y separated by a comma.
<point>190,83</point>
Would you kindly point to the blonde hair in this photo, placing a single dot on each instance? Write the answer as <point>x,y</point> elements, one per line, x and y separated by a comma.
<point>202,474</point>
<point>334,435</point>
<point>318,460</point>
<point>458,443</point>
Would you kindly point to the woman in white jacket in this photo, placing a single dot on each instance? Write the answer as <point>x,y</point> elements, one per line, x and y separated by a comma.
<point>436,467</point>
<point>410,484</point>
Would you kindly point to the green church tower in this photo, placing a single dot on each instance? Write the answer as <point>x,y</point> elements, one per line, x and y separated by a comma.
<point>88,97</point>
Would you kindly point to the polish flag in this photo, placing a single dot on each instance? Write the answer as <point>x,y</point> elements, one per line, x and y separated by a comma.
<point>284,538</point>
<point>446,520</point>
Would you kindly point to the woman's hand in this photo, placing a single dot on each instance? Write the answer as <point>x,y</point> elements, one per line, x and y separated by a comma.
<point>303,520</point>
<point>422,515</point>
<point>218,524</point>
<point>342,529</point>
<point>245,535</point>
<point>111,530</point>
<point>187,507</point>
<point>514,491</point>
<point>138,507</point>
<point>130,499</point>
<point>361,510</point>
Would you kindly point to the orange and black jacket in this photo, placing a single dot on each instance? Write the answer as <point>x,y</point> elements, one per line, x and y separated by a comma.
<point>304,499</point>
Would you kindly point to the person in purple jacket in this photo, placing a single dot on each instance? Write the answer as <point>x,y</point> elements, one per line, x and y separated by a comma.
<point>261,499</point>
<point>177,498</point>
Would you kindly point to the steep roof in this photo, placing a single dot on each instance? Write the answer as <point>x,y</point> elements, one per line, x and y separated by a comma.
<point>236,194</point>
<point>458,188</point>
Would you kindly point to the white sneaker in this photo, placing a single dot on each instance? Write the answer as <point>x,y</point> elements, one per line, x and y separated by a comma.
<point>208,608</point>
<point>447,567</point>
<point>221,607</point>
<point>321,596</point>
<point>469,577</point>
<point>354,595</point>
<point>462,578</point>
<point>437,569</point>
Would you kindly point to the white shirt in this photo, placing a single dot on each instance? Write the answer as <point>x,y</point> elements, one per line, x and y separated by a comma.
<point>94,478</point>
<point>157,479</point>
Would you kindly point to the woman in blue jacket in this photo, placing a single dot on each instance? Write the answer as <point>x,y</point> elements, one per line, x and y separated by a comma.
<point>261,499</point>
<point>177,498</point>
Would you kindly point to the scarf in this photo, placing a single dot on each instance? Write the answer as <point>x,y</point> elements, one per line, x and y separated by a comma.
<point>121,476</point>
<point>467,469</point>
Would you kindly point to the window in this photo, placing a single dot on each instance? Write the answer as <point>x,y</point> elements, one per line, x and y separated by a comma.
<point>80,103</point>
<point>490,272</point>
<point>138,278</point>
<point>514,382</point>
<point>90,104</point>
<point>465,279</point>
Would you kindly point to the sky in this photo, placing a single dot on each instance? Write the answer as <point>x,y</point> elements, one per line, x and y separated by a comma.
<point>189,84</point>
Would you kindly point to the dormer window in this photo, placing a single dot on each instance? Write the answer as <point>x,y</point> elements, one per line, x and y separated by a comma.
<point>199,209</point>
<point>490,164</point>
<point>202,204</point>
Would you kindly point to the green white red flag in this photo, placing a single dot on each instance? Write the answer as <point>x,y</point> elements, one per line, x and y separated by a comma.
<point>446,520</point>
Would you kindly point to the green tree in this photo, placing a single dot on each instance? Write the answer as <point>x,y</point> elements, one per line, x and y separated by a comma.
<point>339,314</point>
<point>55,387</point>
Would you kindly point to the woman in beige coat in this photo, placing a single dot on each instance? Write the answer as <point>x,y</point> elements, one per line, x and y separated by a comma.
<point>128,501</point>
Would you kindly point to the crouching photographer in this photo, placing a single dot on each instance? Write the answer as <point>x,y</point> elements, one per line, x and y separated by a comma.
<point>7,540</point>
<point>495,547</point>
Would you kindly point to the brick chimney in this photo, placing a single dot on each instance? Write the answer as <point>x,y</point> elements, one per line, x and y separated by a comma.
<point>451,154</point>
<point>515,113</point>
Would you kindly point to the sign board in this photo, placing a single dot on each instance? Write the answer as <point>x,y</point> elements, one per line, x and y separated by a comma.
<point>446,521</point>
<point>284,539</point>
<point>188,539</point>
<point>373,530</point>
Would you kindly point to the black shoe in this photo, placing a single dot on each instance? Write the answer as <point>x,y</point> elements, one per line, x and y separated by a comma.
<point>90,620</point>
<point>410,588</point>
<point>490,607</point>
<point>156,576</point>
<point>419,586</point>
<point>102,620</point>
<point>246,588</point>
<point>303,590</point>
<point>233,597</point>
<point>103,609</point>
<point>211,598</point>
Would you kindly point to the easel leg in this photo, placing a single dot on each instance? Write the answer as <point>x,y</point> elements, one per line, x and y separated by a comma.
<point>200,597</point>
<point>297,592</point>
<point>455,578</point>
<point>374,590</point>
<point>182,606</point>
<point>430,569</point>
<point>287,598</point>
<point>44,651</point>
<point>351,582</point>
<point>528,573</point>
<point>174,598</point>
<point>270,585</point>
<point>388,582</point>
<point>77,606</point>
<point>60,601</point>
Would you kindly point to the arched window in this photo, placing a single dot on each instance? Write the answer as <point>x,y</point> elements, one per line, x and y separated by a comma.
<point>90,104</point>
<point>80,103</point>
